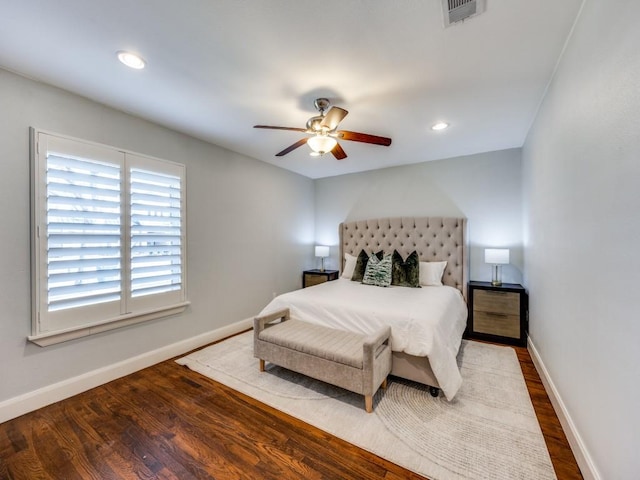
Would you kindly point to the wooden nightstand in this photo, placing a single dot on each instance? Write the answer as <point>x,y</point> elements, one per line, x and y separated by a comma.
<point>498,314</point>
<point>314,277</point>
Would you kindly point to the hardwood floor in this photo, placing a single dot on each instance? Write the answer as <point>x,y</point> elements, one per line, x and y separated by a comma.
<point>168,422</point>
<point>562,457</point>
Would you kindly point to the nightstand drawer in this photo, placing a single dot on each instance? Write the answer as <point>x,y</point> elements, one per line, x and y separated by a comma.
<point>496,324</point>
<point>311,279</point>
<point>316,277</point>
<point>495,301</point>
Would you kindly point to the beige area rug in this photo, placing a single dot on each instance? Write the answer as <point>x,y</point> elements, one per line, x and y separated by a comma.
<point>489,431</point>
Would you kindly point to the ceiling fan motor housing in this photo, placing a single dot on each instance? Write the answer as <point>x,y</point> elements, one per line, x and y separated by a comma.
<point>313,124</point>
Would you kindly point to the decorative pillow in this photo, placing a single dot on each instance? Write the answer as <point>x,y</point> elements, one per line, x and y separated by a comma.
<point>361,265</point>
<point>349,266</point>
<point>378,272</point>
<point>431,273</point>
<point>405,273</point>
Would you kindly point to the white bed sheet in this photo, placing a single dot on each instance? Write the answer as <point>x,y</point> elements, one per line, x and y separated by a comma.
<point>427,321</point>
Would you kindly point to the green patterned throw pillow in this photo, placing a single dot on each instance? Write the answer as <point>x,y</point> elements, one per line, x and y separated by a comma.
<point>378,272</point>
<point>361,265</point>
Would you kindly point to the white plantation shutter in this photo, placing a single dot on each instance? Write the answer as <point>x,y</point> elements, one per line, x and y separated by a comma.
<point>109,238</point>
<point>156,235</point>
<point>83,232</point>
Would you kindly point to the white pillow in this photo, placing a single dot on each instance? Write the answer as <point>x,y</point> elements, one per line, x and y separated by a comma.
<point>349,266</point>
<point>431,273</point>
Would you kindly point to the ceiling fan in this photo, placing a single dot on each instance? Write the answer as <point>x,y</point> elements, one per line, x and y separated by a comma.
<point>324,133</point>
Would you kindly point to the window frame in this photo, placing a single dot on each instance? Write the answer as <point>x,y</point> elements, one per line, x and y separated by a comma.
<point>53,327</point>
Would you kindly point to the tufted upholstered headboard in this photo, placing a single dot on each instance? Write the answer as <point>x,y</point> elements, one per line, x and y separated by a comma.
<point>434,238</point>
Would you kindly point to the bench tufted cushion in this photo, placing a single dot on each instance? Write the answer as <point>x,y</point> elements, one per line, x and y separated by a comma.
<point>335,345</point>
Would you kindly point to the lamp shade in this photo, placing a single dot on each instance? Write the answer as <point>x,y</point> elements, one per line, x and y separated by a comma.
<point>322,143</point>
<point>496,256</point>
<point>322,251</point>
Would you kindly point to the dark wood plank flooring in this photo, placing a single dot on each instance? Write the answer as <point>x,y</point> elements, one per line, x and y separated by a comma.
<point>167,422</point>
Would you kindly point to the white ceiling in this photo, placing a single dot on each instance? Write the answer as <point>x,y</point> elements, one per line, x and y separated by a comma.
<point>218,67</point>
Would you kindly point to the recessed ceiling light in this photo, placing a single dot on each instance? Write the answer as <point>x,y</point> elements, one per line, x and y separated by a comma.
<point>440,126</point>
<point>131,60</point>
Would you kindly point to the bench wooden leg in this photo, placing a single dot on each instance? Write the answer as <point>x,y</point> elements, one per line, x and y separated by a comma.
<point>384,384</point>
<point>261,365</point>
<point>368,403</point>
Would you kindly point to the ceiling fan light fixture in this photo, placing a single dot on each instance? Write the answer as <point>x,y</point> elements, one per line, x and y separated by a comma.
<point>322,144</point>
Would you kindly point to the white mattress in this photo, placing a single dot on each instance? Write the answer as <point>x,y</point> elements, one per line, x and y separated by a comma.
<point>427,321</point>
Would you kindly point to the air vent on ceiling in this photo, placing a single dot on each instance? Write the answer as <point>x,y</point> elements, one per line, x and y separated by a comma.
<point>458,10</point>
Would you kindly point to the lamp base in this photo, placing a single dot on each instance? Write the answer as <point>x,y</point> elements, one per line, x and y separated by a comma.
<point>496,278</point>
<point>322,264</point>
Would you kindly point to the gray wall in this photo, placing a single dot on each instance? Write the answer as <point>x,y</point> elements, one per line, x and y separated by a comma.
<point>581,170</point>
<point>249,226</point>
<point>485,188</point>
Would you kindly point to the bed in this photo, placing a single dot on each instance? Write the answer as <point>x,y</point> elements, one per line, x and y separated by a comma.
<point>426,323</point>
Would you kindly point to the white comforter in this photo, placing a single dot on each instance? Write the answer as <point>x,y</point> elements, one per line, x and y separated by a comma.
<point>427,321</point>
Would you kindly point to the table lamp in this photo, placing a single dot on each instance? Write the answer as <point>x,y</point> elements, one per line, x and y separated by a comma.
<point>496,257</point>
<point>322,252</point>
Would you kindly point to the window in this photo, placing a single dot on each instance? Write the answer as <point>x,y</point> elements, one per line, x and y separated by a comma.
<point>108,238</point>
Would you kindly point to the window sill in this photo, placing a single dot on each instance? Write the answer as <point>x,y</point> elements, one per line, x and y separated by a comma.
<point>59,336</point>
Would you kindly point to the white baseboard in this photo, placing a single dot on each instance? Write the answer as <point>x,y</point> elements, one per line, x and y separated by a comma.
<point>585,462</point>
<point>28,402</point>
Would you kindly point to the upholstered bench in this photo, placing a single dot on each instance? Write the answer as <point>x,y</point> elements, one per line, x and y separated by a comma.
<point>356,362</point>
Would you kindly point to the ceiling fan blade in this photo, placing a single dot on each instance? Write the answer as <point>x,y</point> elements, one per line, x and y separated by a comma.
<point>333,117</point>
<point>290,148</point>
<point>364,137</point>
<point>338,152</point>
<point>281,128</point>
